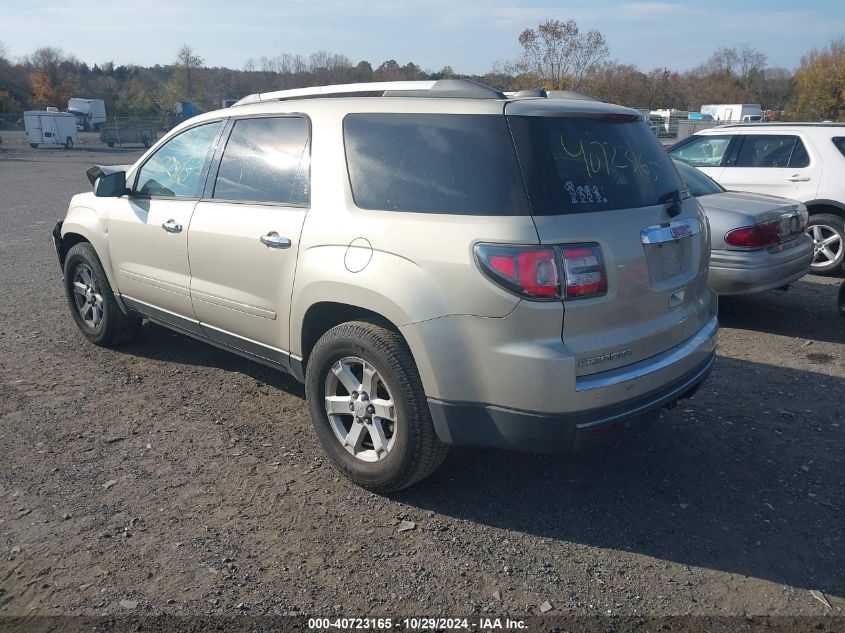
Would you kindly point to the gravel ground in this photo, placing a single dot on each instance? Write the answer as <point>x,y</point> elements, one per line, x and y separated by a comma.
<point>171,477</point>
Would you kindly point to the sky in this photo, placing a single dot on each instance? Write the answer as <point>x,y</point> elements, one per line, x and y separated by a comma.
<point>468,35</point>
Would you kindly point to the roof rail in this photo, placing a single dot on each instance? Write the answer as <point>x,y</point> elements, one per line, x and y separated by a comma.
<point>454,88</point>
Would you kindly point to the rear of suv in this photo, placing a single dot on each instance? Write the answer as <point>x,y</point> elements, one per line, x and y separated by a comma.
<point>802,161</point>
<point>440,264</point>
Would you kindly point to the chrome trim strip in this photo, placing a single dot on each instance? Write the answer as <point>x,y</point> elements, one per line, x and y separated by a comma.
<point>662,399</point>
<point>704,339</point>
<point>247,345</point>
<point>670,231</point>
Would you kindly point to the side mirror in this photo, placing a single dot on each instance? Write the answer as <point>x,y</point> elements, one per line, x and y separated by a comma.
<point>110,185</point>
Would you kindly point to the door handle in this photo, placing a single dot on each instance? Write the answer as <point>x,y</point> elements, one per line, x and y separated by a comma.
<point>274,240</point>
<point>797,178</point>
<point>171,226</point>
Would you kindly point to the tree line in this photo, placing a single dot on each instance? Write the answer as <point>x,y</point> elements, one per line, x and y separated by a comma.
<point>555,55</point>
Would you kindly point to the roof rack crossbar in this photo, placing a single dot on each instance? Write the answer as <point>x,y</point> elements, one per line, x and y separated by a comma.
<point>440,88</point>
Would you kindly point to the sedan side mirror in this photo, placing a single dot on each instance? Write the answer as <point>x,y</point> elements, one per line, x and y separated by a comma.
<point>110,185</point>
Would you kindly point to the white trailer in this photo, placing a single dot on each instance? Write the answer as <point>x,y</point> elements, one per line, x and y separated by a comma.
<point>734,112</point>
<point>44,127</point>
<point>90,112</point>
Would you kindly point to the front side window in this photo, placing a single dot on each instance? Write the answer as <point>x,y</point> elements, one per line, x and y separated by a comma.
<point>265,160</point>
<point>584,164</point>
<point>175,170</point>
<point>433,163</point>
<point>772,150</point>
<point>703,151</point>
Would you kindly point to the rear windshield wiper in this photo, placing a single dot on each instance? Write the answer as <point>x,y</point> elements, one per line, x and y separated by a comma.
<point>673,199</point>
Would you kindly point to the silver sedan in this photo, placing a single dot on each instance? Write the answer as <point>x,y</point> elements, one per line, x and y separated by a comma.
<point>758,242</point>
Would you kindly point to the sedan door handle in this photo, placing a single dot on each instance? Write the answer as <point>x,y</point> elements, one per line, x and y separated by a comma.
<point>274,240</point>
<point>171,226</point>
<point>798,178</point>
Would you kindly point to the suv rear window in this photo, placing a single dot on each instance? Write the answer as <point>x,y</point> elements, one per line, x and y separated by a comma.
<point>577,164</point>
<point>433,163</point>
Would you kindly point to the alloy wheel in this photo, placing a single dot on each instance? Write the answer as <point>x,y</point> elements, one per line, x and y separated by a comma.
<point>827,245</point>
<point>360,408</point>
<point>87,297</point>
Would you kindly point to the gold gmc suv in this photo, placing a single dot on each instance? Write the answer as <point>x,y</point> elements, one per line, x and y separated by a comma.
<point>439,263</point>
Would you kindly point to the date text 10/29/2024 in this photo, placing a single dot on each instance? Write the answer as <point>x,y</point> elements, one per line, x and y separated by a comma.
<point>417,624</point>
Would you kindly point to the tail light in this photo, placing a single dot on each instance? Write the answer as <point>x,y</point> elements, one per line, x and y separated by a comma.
<point>757,236</point>
<point>545,273</point>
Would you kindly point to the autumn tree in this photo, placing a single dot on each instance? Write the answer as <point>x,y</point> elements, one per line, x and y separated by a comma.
<point>559,55</point>
<point>820,84</point>
<point>184,82</point>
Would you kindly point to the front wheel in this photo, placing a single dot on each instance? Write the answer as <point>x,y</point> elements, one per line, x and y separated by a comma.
<point>92,301</point>
<point>369,409</point>
<point>828,233</point>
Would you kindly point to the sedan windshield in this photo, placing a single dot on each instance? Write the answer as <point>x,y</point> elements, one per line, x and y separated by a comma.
<point>698,183</point>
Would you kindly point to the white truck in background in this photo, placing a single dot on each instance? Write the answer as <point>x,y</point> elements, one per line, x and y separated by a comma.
<point>50,127</point>
<point>734,112</point>
<point>90,113</point>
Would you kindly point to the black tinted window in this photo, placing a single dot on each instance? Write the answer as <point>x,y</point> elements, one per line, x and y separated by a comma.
<point>265,160</point>
<point>433,163</point>
<point>698,183</point>
<point>574,164</point>
<point>770,150</point>
<point>839,141</point>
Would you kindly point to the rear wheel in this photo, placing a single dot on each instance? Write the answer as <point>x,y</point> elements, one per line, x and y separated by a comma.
<point>368,407</point>
<point>68,143</point>
<point>34,145</point>
<point>828,235</point>
<point>92,301</point>
<point>110,144</point>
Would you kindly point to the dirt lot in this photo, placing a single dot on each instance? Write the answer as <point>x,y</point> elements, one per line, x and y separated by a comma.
<point>177,476</point>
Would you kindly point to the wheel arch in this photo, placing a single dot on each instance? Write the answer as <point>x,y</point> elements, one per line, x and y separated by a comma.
<point>826,206</point>
<point>83,224</point>
<point>322,316</point>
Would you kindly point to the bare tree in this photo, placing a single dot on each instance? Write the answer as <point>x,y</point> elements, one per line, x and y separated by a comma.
<point>4,52</point>
<point>559,54</point>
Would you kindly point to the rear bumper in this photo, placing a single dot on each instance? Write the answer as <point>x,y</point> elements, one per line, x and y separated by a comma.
<point>747,272</point>
<point>478,424</point>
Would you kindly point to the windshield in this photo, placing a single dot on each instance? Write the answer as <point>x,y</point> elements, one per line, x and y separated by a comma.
<point>578,164</point>
<point>698,183</point>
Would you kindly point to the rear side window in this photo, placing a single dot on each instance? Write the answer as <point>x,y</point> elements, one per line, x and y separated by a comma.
<point>433,163</point>
<point>839,141</point>
<point>576,164</point>
<point>265,160</point>
<point>771,150</point>
<point>703,151</point>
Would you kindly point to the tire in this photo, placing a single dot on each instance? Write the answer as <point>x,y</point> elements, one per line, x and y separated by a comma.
<point>68,143</point>
<point>829,228</point>
<point>110,144</point>
<point>101,320</point>
<point>842,299</point>
<point>34,145</point>
<point>412,451</point>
